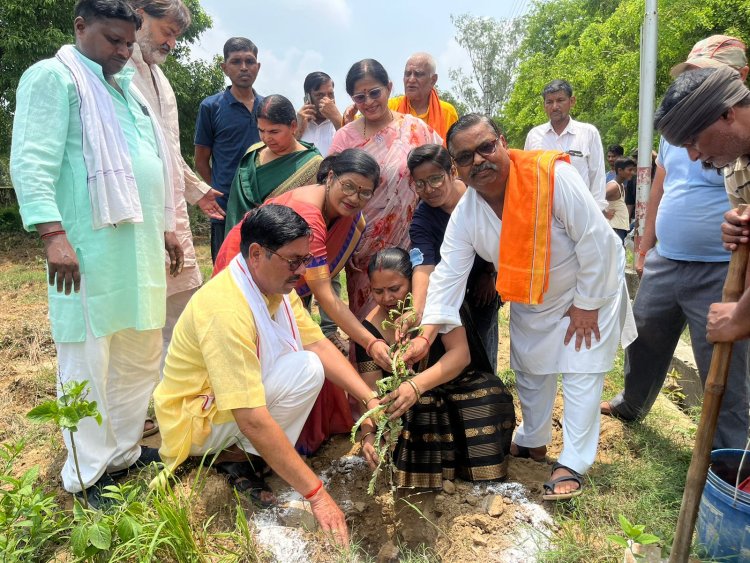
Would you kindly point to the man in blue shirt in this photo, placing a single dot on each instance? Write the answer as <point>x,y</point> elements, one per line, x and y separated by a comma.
<point>227,126</point>
<point>683,266</point>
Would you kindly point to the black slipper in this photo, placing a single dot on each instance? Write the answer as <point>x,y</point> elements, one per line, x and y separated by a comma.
<point>525,453</point>
<point>550,485</point>
<point>243,478</point>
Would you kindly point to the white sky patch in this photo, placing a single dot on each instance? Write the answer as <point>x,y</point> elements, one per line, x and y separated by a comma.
<point>284,72</point>
<point>334,12</point>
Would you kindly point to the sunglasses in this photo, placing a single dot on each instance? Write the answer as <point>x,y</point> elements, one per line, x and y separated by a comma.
<point>433,182</point>
<point>486,149</point>
<point>351,189</point>
<point>362,97</point>
<point>294,263</point>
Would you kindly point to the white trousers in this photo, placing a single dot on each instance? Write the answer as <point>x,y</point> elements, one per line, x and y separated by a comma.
<point>122,370</point>
<point>176,304</point>
<point>581,396</point>
<point>291,390</point>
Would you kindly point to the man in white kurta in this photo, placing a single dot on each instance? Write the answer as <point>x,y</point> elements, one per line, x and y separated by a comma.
<point>586,293</point>
<point>162,24</point>
<point>581,141</point>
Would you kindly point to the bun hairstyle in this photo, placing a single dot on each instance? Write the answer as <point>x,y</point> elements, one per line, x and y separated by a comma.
<point>278,110</point>
<point>395,259</point>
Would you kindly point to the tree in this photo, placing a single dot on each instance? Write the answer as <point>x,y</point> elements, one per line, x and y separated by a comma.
<point>492,46</point>
<point>31,30</point>
<point>595,45</point>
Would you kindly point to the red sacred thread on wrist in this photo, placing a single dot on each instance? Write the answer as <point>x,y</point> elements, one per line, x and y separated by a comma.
<point>371,344</point>
<point>311,494</point>
<point>424,338</point>
<point>51,234</point>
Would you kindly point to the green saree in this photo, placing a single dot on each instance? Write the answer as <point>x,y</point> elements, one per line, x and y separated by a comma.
<point>254,183</point>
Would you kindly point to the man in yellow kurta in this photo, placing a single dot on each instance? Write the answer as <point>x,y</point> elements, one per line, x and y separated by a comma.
<point>421,99</point>
<point>246,364</point>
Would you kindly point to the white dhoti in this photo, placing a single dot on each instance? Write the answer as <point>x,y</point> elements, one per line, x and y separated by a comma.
<point>581,395</point>
<point>291,388</point>
<point>122,370</point>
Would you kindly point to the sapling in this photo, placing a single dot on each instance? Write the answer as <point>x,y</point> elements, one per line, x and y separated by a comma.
<point>67,411</point>
<point>634,535</point>
<point>387,431</point>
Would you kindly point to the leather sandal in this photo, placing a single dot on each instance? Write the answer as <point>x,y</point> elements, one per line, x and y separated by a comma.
<point>550,485</point>
<point>242,477</point>
<point>531,453</point>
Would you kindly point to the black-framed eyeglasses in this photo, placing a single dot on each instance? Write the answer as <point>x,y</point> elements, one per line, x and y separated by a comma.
<point>350,188</point>
<point>434,182</point>
<point>373,94</point>
<point>293,263</point>
<point>486,149</point>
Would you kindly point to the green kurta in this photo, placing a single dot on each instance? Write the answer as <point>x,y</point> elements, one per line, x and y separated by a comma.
<point>123,266</point>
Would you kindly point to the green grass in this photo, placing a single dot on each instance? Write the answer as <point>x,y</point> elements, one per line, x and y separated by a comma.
<point>643,479</point>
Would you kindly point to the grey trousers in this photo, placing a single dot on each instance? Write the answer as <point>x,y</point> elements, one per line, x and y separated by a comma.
<point>673,293</point>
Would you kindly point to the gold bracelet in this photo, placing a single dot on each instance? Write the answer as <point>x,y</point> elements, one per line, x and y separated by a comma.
<point>415,387</point>
<point>362,439</point>
<point>373,395</point>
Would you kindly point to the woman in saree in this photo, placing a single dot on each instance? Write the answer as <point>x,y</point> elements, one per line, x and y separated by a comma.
<point>275,165</point>
<point>333,209</point>
<point>457,416</point>
<point>387,136</point>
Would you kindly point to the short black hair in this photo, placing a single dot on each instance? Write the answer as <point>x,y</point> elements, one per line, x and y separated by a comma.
<point>239,44</point>
<point>396,259</point>
<point>363,69</point>
<point>470,120</point>
<point>110,9</point>
<point>558,86</point>
<point>433,153</point>
<point>271,226</point>
<point>621,163</point>
<point>277,109</point>
<point>350,161</point>
<point>616,150</point>
<point>315,80</point>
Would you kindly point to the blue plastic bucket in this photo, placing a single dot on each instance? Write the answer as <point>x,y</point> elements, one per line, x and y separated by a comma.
<point>724,516</point>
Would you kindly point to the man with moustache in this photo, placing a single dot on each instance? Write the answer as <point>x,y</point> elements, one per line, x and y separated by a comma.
<point>319,119</point>
<point>683,266</point>
<point>163,22</point>
<point>420,97</point>
<point>226,126</point>
<point>561,266</point>
<point>246,365</point>
<point>89,164</point>
<point>581,141</point>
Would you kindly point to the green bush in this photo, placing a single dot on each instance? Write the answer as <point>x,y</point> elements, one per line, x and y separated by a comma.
<point>10,220</point>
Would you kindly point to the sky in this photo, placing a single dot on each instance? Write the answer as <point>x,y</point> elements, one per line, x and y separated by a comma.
<point>296,37</point>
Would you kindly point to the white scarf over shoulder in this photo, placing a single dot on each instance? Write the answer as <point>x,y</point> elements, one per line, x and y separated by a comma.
<point>111,183</point>
<point>277,335</point>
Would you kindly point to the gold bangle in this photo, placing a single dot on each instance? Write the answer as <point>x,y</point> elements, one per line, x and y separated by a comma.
<point>362,439</point>
<point>373,395</point>
<point>415,387</point>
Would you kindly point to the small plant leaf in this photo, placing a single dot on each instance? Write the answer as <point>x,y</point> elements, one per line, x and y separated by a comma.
<point>619,540</point>
<point>45,412</point>
<point>79,540</point>
<point>100,535</point>
<point>647,539</point>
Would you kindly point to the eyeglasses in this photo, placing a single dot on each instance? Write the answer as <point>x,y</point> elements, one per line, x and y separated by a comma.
<point>433,182</point>
<point>351,189</point>
<point>294,263</point>
<point>373,94</point>
<point>486,149</point>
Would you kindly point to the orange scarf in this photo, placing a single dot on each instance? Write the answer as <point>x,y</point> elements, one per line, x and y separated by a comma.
<point>523,271</point>
<point>434,113</point>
